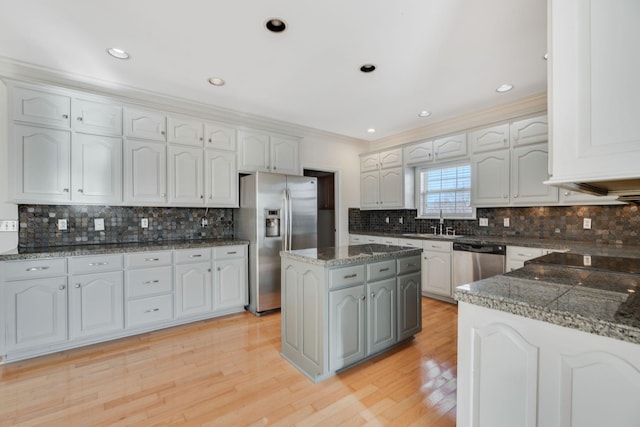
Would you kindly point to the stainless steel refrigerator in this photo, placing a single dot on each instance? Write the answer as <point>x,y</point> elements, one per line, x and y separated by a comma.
<point>277,212</point>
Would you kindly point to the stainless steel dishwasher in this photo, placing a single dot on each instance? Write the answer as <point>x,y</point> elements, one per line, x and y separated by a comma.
<point>473,262</point>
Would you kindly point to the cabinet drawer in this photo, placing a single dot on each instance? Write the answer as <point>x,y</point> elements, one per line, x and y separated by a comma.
<point>408,264</point>
<point>149,310</point>
<point>412,243</point>
<point>152,281</point>
<point>436,245</point>
<point>95,264</point>
<point>522,253</point>
<point>389,241</point>
<point>224,252</point>
<point>46,267</point>
<point>148,259</point>
<point>193,255</point>
<point>381,270</point>
<point>346,276</point>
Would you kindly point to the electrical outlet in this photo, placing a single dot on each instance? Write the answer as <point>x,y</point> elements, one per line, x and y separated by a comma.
<point>204,222</point>
<point>586,260</point>
<point>401,220</point>
<point>386,219</point>
<point>506,222</point>
<point>144,223</point>
<point>98,224</point>
<point>586,223</point>
<point>8,225</point>
<point>62,224</point>
<point>484,222</point>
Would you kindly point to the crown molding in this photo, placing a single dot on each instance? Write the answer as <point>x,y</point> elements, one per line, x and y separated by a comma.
<point>31,73</point>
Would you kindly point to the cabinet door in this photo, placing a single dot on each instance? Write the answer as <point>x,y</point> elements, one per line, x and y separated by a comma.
<point>450,147</point>
<point>220,137</point>
<point>409,306</point>
<point>391,191</point>
<point>369,162</point>
<point>381,315</point>
<point>370,190</point>
<point>528,172</point>
<point>97,169</point>
<point>436,273</point>
<point>96,304</point>
<point>253,152</point>
<point>145,124</point>
<point>284,156</point>
<point>182,130</point>
<point>346,326</point>
<point>42,161</point>
<point>492,138</point>
<point>185,175</point>
<point>193,289</point>
<point>391,158</point>
<point>45,108</point>
<point>230,285</point>
<point>221,178</point>
<point>96,117</point>
<point>490,178</point>
<point>35,312</point>
<point>529,131</point>
<point>421,152</point>
<point>145,172</point>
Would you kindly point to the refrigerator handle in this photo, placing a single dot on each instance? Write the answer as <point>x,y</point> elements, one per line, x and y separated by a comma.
<point>285,219</point>
<point>289,220</point>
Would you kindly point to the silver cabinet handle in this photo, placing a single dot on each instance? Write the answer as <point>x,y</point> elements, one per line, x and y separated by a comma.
<point>78,285</point>
<point>152,259</point>
<point>384,269</point>
<point>350,276</point>
<point>151,282</point>
<point>151,310</point>
<point>37,268</point>
<point>62,287</point>
<point>411,265</point>
<point>232,253</point>
<point>195,256</point>
<point>94,264</point>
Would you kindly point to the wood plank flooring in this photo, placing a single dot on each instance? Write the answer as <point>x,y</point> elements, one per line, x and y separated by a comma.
<point>228,372</point>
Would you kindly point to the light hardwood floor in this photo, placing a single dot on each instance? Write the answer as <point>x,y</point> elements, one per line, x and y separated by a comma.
<point>229,372</point>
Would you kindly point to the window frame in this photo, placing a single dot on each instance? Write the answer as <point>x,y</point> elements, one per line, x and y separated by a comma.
<point>442,165</point>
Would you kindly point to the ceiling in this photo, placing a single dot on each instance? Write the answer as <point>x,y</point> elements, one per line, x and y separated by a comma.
<point>444,56</point>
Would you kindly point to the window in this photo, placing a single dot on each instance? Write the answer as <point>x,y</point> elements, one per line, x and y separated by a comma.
<point>447,189</point>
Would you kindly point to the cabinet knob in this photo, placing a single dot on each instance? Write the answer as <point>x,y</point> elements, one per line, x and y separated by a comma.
<point>373,295</point>
<point>566,193</point>
<point>66,190</point>
<point>78,285</point>
<point>218,268</point>
<point>274,168</point>
<point>201,196</point>
<point>62,287</point>
<point>65,116</point>
<point>515,196</point>
<point>162,132</point>
<point>80,118</point>
<point>80,190</point>
<point>363,297</point>
<point>163,195</point>
<point>210,196</point>
<point>209,270</point>
<point>210,141</point>
<point>200,139</point>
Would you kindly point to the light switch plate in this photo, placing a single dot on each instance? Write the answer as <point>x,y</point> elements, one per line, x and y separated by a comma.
<point>507,222</point>
<point>8,225</point>
<point>484,222</point>
<point>62,224</point>
<point>98,224</point>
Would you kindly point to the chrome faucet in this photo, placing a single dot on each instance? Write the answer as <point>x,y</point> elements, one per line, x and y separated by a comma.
<point>434,228</point>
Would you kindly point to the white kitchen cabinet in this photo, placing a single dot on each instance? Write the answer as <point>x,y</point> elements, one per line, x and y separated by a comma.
<point>490,177</point>
<point>594,95</point>
<point>284,155</point>
<point>35,313</point>
<point>387,189</point>
<point>436,269</point>
<point>41,107</point>
<point>230,280</point>
<point>220,137</point>
<point>97,118</point>
<point>369,162</point>
<point>489,139</point>
<point>528,174</point>
<point>370,190</point>
<point>185,130</point>
<point>145,124</point>
<point>418,153</point>
<point>412,243</point>
<point>356,239</point>
<point>96,169</point>
<point>145,174</point>
<point>41,161</point>
<point>391,188</point>
<point>450,147</point>
<point>221,178</point>
<point>262,152</point>
<point>382,160</point>
<point>529,131</point>
<point>517,255</point>
<point>571,198</point>
<point>96,304</point>
<point>347,320</point>
<point>382,330</point>
<point>186,175</point>
<point>193,288</point>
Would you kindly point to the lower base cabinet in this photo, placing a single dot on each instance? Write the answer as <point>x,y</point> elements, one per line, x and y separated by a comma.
<point>96,304</point>
<point>436,269</point>
<point>193,288</point>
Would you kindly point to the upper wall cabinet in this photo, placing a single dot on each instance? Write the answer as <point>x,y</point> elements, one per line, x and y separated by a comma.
<point>96,117</point>
<point>96,169</point>
<point>145,172</point>
<point>220,137</point>
<point>488,139</point>
<point>145,124</point>
<point>284,155</point>
<point>450,147</point>
<point>261,152</point>
<point>382,160</point>
<point>35,106</point>
<point>183,130</point>
<point>421,152</point>
<point>529,131</point>
<point>594,91</point>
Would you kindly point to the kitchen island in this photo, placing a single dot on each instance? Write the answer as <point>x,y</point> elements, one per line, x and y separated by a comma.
<point>554,343</point>
<point>343,305</point>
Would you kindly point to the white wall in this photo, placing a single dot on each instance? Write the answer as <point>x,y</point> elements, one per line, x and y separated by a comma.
<point>8,240</point>
<point>327,153</point>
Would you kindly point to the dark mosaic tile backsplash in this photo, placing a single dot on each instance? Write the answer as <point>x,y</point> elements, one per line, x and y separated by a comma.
<point>121,225</point>
<point>612,225</point>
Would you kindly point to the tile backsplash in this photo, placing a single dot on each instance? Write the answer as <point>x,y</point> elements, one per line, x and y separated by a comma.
<point>611,224</point>
<point>38,225</point>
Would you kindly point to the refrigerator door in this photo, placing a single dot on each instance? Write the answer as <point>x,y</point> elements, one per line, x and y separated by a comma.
<point>303,215</point>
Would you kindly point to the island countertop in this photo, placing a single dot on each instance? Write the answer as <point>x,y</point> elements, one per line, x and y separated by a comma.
<point>352,254</point>
<point>604,300</point>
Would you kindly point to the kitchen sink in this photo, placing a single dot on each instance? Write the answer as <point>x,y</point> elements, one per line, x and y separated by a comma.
<point>432,236</point>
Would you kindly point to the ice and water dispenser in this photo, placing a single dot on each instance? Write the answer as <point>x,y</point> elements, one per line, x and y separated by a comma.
<point>272,222</point>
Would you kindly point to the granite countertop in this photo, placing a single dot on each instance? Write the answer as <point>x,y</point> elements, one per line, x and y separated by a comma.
<point>78,250</point>
<point>345,255</point>
<point>599,300</point>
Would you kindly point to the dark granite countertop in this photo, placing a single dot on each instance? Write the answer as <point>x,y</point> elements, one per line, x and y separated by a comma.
<point>594,300</point>
<point>345,255</point>
<point>78,250</point>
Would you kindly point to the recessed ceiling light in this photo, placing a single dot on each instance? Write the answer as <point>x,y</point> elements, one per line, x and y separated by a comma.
<point>118,53</point>
<point>371,130</point>
<point>424,113</point>
<point>276,25</point>
<point>216,81</point>
<point>367,68</point>
<point>504,88</point>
